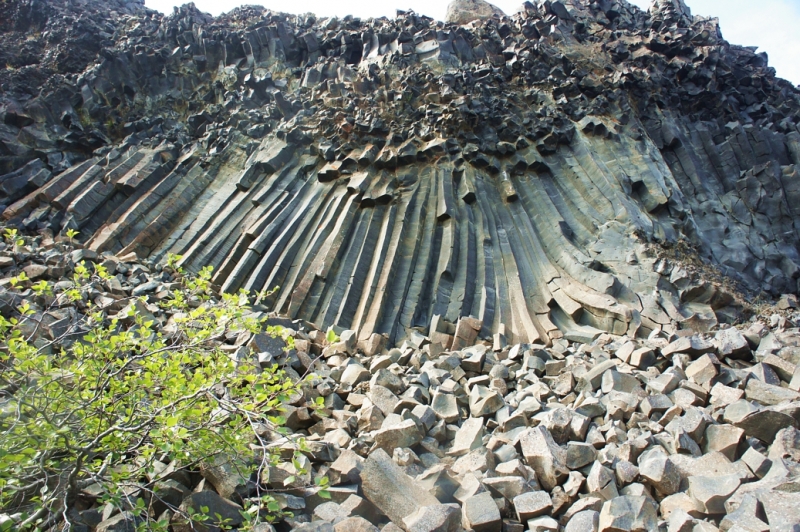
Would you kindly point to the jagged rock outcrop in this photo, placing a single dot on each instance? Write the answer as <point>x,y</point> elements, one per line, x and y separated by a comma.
<point>516,179</point>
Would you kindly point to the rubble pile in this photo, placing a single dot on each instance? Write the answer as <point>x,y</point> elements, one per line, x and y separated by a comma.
<point>690,432</point>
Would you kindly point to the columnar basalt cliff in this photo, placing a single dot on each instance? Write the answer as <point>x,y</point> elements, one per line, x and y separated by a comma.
<point>516,176</point>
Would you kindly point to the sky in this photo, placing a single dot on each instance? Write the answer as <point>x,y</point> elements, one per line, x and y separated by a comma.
<point>769,24</point>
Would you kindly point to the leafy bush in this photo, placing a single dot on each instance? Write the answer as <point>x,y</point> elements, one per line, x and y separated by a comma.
<point>120,395</point>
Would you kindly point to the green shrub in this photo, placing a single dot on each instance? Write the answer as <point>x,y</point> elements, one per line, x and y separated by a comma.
<point>102,411</point>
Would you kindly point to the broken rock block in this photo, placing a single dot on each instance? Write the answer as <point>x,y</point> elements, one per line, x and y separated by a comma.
<point>703,369</point>
<point>710,493</point>
<point>468,437</point>
<point>229,476</point>
<point>532,504</point>
<point>355,524</point>
<point>731,343</point>
<point>768,394</point>
<point>542,524</point>
<point>600,482</point>
<point>657,468</point>
<point>759,423</point>
<point>438,518</point>
<point>630,514</point>
<point>484,402</point>
<point>723,438</point>
<point>404,434</point>
<point>481,514</point>
<point>545,456</point>
<point>391,490</point>
<point>445,406</point>
<point>693,346</point>
<point>585,521</point>
<point>748,516</point>
<point>467,330</point>
<point>212,505</point>
<point>757,462</point>
<point>439,481</point>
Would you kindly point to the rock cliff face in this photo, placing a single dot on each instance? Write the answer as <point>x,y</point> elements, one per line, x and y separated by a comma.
<point>517,176</point>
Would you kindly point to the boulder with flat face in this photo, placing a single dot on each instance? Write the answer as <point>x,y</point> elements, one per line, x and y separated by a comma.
<point>390,489</point>
<point>465,11</point>
<point>629,513</point>
<point>480,513</point>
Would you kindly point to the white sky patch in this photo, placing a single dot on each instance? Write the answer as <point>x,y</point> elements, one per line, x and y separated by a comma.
<point>769,24</point>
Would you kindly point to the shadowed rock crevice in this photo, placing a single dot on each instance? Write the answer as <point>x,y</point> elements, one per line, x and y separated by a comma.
<point>512,178</point>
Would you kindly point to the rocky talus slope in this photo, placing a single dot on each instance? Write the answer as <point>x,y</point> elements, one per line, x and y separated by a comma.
<point>690,433</point>
<point>555,217</point>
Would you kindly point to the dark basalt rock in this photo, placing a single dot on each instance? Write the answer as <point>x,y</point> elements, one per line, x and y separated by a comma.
<point>522,171</point>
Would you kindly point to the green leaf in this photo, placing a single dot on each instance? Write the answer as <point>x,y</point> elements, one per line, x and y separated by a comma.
<point>331,337</point>
<point>324,494</point>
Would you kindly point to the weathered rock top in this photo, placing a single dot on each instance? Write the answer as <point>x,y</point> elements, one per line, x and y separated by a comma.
<point>465,11</point>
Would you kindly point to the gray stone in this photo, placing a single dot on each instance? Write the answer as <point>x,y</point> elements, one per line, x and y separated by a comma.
<point>404,434</point>
<point>621,382</point>
<point>480,513</point>
<point>601,482</point>
<point>691,345</point>
<point>712,492</point>
<point>703,369</point>
<point>585,521</point>
<point>748,516</point>
<point>786,445</point>
<point>507,486</point>
<point>122,522</point>
<point>353,374</point>
<point>468,437</point>
<point>592,379</point>
<point>731,343</point>
<point>658,469</point>
<point>230,476</point>
<point>765,424</point>
<point>680,521</point>
<point>782,510</point>
<point>532,504</point>
<point>392,491</point>
<point>484,402</point>
<point>579,454</point>
<point>542,524</point>
<point>723,438</point>
<point>355,524</point>
<point>445,406</point>
<point>768,394</point>
<point>217,508</point>
<point>757,462</point>
<point>628,513</point>
<point>544,455</point>
<point>439,482</point>
<point>465,11</point>
<point>438,518</point>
